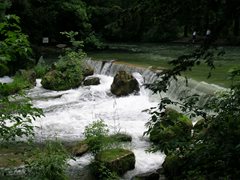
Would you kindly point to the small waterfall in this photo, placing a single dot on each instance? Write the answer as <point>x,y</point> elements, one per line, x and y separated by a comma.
<point>177,89</point>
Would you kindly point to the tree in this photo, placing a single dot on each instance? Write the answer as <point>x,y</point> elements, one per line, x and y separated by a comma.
<point>213,150</point>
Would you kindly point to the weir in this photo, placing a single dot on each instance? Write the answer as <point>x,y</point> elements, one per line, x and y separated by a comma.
<point>177,89</point>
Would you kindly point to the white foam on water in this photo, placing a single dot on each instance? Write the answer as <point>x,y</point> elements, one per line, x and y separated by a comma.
<point>68,112</point>
<point>6,79</point>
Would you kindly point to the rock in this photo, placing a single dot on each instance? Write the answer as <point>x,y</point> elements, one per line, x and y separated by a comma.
<point>91,81</point>
<point>147,176</point>
<point>80,149</point>
<point>124,84</point>
<point>120,137</point>
<point>61,45</point>
<point>117,160</point>
<point>64,75</point>
<point>87,70</point>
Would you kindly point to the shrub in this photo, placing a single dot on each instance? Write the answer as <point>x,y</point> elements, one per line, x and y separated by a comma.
<point>49,162</point>
<point>21,81</point>
<point>41,70</point>
<point>96,136</point>
<point>15,47</point>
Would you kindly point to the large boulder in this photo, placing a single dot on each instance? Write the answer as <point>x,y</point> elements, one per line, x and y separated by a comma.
<point>91,81</point>
<point>124,84</point>
<point>117,160</point>
<point>64,75</point>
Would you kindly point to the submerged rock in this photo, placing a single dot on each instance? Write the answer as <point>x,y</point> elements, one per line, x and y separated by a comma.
<point>124,84</point>
<point>91,81</point>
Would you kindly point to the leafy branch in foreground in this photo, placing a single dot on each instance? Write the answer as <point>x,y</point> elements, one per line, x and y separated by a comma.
<point>16,117</point>
<point>211,151</point>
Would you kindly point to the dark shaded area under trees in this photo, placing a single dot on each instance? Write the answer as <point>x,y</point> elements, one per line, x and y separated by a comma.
<point>133,20</point>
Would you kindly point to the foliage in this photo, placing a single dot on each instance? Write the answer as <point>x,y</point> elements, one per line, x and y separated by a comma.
<point>212,151</point>
<point>45,18</point>
<point>170,132</point>
<point>15,47</point>
<point>92,42</point>
<point>48,162</point>
<point>96,136</point>
<point>76,45</point>
<point>68,71</point>
<point>21,81</point>
<point>41,70</point>
<point>16,117</point>
<point>4,4</point>
<point>102,172</point>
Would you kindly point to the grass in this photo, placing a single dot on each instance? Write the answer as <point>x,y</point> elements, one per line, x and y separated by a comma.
<point>158,56</point>
<point>112,154</point>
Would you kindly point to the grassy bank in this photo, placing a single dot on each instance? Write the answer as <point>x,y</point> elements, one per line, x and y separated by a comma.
<point>158,56</point>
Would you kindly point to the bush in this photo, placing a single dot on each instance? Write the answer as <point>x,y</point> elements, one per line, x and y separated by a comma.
<point>96,136</point>
<point>171,131</point>
<point>21,81</point>
<point>67,73</point>
<point>15,47</point>
<point>49,162</point>
<point>41,70</point>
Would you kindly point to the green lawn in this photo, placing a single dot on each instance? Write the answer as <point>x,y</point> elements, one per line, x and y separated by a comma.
<point>158,56</point>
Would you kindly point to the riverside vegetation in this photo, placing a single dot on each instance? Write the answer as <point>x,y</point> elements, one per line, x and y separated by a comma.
<point>49,160</point>
<point>212,150</point>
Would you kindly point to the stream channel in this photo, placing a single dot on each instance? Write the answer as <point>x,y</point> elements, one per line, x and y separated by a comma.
<point>68,112</point>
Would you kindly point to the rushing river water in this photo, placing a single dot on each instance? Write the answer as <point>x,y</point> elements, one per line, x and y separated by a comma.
<point>68,112</point>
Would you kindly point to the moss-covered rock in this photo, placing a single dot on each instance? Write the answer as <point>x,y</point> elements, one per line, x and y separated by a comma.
<point>117,160</point>
<point>91,81</point>
<point>64,75</point>
<point>121,137</point>
<point>124,84</point>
